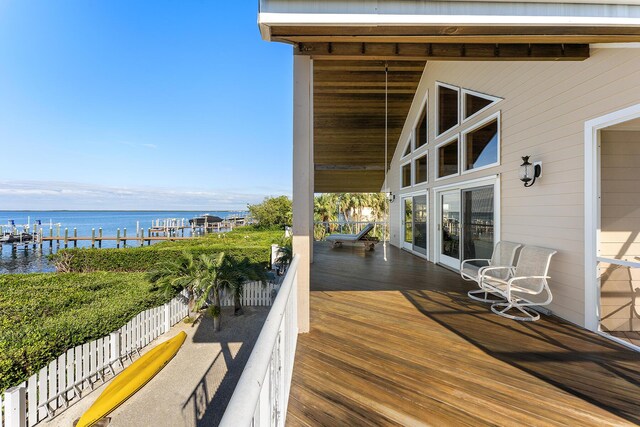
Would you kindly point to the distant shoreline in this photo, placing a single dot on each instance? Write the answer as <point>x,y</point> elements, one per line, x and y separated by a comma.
<point>123,210</point>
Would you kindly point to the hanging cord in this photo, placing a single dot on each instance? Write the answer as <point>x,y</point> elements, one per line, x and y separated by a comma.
<point>386,144</point>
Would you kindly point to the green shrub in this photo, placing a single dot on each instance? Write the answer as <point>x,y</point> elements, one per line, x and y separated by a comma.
<point>243,242</point>
<point>42,315</point>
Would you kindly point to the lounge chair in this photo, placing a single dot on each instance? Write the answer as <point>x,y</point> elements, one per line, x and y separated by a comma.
<point>369,242</point>
<point>504,254</point>
<point>520,291</point>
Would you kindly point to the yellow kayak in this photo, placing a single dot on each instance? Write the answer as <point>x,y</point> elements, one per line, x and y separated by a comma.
<point>132,379</point>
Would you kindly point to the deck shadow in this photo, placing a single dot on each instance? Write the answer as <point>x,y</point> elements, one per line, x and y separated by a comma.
<point>209,399</point>
<point>570,358</point>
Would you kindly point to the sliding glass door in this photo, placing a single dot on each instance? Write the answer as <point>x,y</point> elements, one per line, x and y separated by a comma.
<point>478,222</point>
<point>414,223</point>
<point>407,223</point>
<point>449,228</point>
<point>466,221</point>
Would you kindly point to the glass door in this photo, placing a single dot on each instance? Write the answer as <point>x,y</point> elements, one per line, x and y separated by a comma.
<point>420,224</point>
<point>449,228</point>
<point>407,223</point>
<point>478,222</point>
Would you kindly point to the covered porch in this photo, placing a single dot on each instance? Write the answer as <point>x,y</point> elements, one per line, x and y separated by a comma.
<point>399,343</point>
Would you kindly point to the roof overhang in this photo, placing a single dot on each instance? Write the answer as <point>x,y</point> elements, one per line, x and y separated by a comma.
<point>351,41</point>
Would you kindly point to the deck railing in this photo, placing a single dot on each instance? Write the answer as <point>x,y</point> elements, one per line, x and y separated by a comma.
<point>262,393</point>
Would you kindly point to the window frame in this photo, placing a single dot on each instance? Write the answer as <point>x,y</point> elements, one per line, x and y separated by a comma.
<point>463,141</point>
<point>439,132</point>
<point>463,103</point>
<point>437,148</point>
<point>402,165</point>
<point>424,108</point>
<point>409,145</point>
<point>414,169</point>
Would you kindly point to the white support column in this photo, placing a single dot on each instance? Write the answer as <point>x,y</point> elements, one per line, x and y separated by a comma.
<point>303,179</point>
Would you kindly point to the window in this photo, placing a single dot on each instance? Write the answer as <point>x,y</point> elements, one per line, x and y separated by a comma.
<point>448,158</point>
<point>421,129</point>
<point>420,169</point>
<point>447,108</point>
<point>474,102</point>
<point>406,175</point>
<point>481,145</point>
<point>407,150</point>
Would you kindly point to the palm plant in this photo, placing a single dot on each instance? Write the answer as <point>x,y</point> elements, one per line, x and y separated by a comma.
<point>176,275</point>
<point>234,276</point>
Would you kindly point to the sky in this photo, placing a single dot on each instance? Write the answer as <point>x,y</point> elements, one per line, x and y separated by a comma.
<point>141,105</point>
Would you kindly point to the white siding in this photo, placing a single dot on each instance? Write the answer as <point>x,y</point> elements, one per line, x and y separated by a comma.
<point>543,113</point>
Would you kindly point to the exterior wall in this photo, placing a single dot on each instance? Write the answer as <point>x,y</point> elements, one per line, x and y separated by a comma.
<point>543,111</point>
<point>620,229</point>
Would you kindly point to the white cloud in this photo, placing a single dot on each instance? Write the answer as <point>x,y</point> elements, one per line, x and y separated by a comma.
<point>40,195</point>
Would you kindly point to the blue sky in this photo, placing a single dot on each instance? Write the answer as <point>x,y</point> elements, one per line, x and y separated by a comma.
<point>141,105</point>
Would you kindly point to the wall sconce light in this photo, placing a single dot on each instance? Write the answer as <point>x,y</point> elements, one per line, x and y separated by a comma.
<point>529,172</point>
<point>391,197</point>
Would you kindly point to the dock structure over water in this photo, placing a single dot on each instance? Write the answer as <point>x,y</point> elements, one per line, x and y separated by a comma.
<point>168,229</point>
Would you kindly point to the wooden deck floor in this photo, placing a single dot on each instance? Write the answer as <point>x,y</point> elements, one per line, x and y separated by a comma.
<point>398,343</point>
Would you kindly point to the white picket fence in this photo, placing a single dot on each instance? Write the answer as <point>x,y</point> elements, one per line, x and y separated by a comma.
<point>254,294</point>
<point>78,369</point>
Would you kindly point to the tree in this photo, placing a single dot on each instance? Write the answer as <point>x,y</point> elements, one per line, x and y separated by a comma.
<point>272,212</point>
<point>206,276</point>
<point>176,275</point>
<point>235,274</point>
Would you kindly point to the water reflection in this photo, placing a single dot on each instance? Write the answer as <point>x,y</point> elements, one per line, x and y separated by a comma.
<point>25,259</point>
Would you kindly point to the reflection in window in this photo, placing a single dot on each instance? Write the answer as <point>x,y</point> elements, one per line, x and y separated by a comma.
<point>421,129</point>
<point>406,175</point>
<point>474,103</point>
<point>448,159</point>
<point>420,169</point>
<point>481,146</point>
<point>447,108</point>
<point>478,221</point>
<point>420,224</point>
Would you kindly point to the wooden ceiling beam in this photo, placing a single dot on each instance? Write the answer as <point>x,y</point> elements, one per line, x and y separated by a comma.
<point>442,51</point>
<point>349,167</point>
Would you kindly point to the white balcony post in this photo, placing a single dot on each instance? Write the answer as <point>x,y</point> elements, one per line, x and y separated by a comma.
<point>303,179</point>
<point>15,400</point>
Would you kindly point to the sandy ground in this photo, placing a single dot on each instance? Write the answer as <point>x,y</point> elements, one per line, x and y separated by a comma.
<point>195,387</point>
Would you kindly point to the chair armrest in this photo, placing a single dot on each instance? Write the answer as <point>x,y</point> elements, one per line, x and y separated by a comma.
<point>483,270</point>
<point>515,279</point>
<point>473,259</point>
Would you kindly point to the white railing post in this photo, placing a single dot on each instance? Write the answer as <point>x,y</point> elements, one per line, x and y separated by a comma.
<point>15,407</point>
<point>114,339</point>
<point>167,317</point>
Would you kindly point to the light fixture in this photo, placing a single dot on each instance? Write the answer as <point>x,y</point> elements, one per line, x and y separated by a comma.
<point>391,197</point>
<point>529,172</point>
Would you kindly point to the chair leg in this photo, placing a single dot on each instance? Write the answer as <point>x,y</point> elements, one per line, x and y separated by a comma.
<point>476,296</point>
<point>529,315</point>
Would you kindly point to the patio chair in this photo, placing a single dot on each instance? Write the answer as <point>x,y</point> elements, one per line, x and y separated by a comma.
<point>520,291</point>
<point>503,255</point>
<point>338,239</point>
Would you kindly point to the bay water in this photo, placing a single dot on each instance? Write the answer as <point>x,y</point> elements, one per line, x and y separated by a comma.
<point>26,259</point>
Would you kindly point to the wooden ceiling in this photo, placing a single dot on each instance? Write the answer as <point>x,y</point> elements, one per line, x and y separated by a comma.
<point>349,81</point>
<point>349,120</point>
